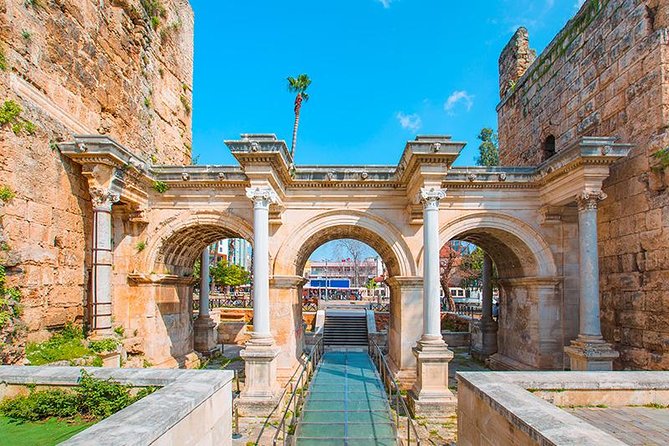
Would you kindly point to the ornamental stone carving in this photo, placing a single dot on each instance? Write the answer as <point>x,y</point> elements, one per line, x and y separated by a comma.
<point>262,196</point>
<point>430,197</point>
<point>103,198</point>
<point>588,199</point>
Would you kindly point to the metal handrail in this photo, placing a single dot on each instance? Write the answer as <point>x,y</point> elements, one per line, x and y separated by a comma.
<point>297,390</point>
<point>393,391</point>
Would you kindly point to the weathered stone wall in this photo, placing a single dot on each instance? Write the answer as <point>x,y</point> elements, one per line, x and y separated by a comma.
<point>607,74</point>
<point>77,67</point>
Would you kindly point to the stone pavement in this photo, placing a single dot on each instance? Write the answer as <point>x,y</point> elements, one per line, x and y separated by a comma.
<point>642,426</point>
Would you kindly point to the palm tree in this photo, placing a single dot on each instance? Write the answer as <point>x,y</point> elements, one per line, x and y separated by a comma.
<point>298,85</point>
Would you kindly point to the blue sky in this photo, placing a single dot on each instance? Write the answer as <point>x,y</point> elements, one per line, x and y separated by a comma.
<point>382,70</point>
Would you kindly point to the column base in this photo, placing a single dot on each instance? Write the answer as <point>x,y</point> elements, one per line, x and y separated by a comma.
<point>261,391</point>
<point>205,335</point>
<point>591,354</point>
<point>430,396</point>
<point>488,345</point>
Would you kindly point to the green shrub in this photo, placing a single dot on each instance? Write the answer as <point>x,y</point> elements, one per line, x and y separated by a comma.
<point>662,156</point>
<point>3,60</point>
<point>160,187</point>
<point>65,345</point>
<point>9,112</point>
<point>103,345</point>
<point>6,194</point>
<point>140,246</point>
<point>101,398</point>
<point>93,398</point>
<point>41,405</point>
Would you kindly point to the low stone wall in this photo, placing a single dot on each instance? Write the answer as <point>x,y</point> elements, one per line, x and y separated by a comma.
<point>519,409</point>
<point>232,332</point>
<point>455,322</point>
<point>192,407</point>
<point>456,338</point>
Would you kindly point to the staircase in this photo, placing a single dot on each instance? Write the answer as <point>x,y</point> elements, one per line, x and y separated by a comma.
<point>345,328</point>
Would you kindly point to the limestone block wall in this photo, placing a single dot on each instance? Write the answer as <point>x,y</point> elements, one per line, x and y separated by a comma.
<point>81,67</point>
<point>606,74</point>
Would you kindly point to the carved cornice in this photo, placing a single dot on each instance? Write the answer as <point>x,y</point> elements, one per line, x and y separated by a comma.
<point>160,279</point>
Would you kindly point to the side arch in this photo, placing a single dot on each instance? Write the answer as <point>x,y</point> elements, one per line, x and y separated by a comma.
<point>363,226</point>
<point>517,248</point>
<point>179,241</point>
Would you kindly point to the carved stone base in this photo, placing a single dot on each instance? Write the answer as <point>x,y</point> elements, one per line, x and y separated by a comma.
<point>430,396</point>
<point>261,390</point>
<point>205,335</point>
<point>488,345</point>
<point>594,354</point>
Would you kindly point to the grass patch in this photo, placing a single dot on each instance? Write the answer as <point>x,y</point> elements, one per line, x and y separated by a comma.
<point>64,346</point>
<point>44,433</point>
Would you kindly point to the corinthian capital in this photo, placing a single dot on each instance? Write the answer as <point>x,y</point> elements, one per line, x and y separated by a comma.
<point>588,199</point>
<point>103,198</point>
<point>430,197</point>
<point>262,196</point>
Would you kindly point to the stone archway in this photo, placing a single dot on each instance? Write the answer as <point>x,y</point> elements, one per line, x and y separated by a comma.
<point>406,311</point>
<point>159,297</point>
<point>530,333</point>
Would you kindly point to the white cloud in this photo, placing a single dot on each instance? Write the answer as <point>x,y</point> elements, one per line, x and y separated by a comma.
<point>457,97</point>
<point>385,3</point>
<point>409,122</point>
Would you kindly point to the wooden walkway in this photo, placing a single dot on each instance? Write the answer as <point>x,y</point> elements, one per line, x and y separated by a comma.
<point>642,426</point>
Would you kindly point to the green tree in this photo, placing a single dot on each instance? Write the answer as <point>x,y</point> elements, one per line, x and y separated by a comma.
<point>229,275</point>
<point>488,150</point>
<point>298,85</point>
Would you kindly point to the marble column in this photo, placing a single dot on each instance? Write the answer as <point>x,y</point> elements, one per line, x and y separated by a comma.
<point>101,277</point>
<point>430,396</point>
<point>487,325</point>
<point>589,351</point>
<point>261,391</point>
<point>206,339</point>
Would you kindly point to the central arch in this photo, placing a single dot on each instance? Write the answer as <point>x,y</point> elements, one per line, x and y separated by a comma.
<point>406,305</point>
<point>363,226</point>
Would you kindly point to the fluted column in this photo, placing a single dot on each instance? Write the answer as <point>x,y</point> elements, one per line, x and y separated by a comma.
<point>261,391</point>
<point>430,396</point>
<point>101,277</point>
<point>589,351</point>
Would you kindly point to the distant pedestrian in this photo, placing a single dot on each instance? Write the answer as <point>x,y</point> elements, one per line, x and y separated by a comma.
<point>495,311</point>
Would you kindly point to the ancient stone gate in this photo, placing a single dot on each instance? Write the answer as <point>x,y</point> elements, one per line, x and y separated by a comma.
<point>535,223</point>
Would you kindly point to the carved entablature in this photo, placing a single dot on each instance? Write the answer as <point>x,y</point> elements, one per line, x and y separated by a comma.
<point>550,215</point>
<point>108,165</point>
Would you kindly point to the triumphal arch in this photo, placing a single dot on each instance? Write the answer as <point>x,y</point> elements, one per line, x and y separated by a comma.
<point>537,224</point>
